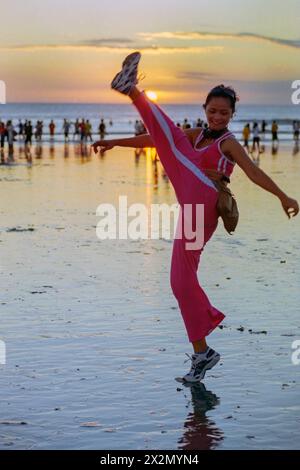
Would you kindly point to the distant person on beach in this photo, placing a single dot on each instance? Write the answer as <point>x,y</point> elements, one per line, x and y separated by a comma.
<point>2,134</point>
<point>102,129</point>
<point>256,138</point>
<point>52,129</point>
<point>199,123</point>
<point>296,128</point>
<point>39,130</point>
<point>36,131</point>
<point>246,135</point>
<point>11,133</point>
<point>21,129</point>
<point>143,128</point>
<point>66,129</point>
<point>263,127</point>
<point>186,124</point>
<point>139,128</point>
<point>195,160</point>
<point>82,129</point>
<point>88,130</point>
<point>274,131</point>
<point>76,129</point>
<point>28,130</point>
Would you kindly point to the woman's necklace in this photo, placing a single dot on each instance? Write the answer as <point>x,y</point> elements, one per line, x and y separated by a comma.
<point>211,134</point>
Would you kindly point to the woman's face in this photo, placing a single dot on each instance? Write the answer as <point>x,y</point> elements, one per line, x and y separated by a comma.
<point>218,113</point>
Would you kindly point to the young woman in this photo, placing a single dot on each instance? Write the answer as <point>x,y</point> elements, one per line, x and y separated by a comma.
<point>186,156</point>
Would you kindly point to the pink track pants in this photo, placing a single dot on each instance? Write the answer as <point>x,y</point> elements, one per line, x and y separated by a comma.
<point>181,163</point>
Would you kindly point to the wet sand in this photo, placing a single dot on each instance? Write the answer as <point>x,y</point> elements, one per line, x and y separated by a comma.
<point>93,333</point>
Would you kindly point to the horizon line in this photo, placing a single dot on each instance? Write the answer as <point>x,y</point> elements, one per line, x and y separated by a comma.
<point>128,104</point>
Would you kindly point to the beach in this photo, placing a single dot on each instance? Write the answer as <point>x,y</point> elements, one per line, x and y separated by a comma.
<point>94,337</point>
<point>119,119</point>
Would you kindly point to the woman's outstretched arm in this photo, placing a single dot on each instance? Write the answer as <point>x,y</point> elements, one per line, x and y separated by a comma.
<point>140,141</point>
<point>233,149</point>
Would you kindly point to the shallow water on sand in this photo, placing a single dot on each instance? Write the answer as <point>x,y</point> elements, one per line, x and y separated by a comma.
<point>93,334</point>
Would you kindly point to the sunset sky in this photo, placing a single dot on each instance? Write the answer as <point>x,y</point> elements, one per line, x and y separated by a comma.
<point>69,50</point>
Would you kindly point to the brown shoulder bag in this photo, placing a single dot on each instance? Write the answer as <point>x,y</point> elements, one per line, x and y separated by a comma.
<point>226,206</point>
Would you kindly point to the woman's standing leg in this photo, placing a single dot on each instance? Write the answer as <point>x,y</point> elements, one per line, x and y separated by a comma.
<point>199,316</point>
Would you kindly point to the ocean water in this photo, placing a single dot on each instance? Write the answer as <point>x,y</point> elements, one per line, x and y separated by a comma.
<point>124,115</point>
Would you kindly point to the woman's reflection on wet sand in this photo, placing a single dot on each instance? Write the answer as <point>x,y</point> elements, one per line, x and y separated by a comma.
<point>200,432</point>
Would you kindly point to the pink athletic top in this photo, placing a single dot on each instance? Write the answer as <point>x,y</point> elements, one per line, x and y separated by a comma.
<point>212,157</point>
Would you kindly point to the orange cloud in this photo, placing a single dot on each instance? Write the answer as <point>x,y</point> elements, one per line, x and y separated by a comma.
<point>192,35</point>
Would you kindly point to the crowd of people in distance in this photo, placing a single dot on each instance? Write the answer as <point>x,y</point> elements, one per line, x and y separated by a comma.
<point>25,131</point>
<point>81,130</point>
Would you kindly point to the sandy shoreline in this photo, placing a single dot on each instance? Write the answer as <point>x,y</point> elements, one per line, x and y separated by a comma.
<point>93,334</point>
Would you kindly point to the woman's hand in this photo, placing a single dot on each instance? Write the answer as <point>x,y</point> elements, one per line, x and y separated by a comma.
<point>103,145</point>
<point>290,206</point>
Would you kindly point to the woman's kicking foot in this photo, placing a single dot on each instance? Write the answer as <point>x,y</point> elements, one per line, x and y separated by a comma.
<point>124,82</point>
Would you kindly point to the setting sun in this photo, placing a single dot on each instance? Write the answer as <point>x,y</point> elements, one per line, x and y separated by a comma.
<point>151,95</point>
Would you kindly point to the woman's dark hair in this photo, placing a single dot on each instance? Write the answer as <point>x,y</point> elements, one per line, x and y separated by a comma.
<point>222,91</point>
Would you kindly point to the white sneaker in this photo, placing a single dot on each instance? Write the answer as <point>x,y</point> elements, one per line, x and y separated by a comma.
<point>127,77</point>
<point>201,362</point>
